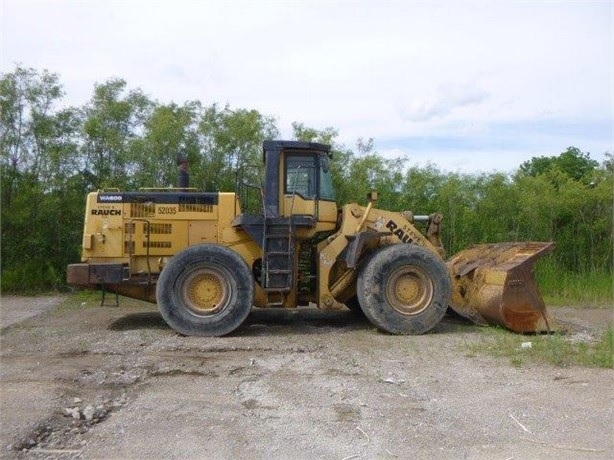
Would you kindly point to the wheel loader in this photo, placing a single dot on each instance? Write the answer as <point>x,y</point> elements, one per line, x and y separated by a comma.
<point>207,258</point>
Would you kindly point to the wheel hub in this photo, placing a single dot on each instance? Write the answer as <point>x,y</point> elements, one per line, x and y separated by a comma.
<point>409,290</point>
<point>205,292</point>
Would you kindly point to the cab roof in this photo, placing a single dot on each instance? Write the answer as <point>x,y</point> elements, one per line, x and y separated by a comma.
<point>272,145</point>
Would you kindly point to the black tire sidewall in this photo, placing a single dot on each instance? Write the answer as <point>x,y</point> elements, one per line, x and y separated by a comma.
<point>354,306</point>
<point>373,278</point>
<point>236,273</point>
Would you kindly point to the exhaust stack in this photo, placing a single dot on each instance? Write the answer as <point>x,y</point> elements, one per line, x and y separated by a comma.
<point>184,175</point>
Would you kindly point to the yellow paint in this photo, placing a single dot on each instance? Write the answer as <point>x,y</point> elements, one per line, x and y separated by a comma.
<point>495,277</point>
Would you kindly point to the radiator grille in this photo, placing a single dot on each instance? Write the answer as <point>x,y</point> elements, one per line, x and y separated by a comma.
<point>158,229</point>
<point>142,209</point>
<point>157,244</point>
<point>195,207</point>
<point>129,247</point>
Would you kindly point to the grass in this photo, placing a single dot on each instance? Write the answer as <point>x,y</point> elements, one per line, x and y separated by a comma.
<point>91,298</point>
<point>561,350</point>
<point>560,287</point>
<point>74,301</point>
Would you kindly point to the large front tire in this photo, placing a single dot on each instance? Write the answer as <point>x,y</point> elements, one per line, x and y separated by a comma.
<point>206,290</point>
<point>404,289</point>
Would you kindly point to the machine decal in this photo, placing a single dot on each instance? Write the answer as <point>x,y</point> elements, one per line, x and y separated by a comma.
<point>110,198</point>
<point>326,260</point>
<point>167,210</point>
<point>190,198</point>
<point>106,212</point>
<point>399,232</point>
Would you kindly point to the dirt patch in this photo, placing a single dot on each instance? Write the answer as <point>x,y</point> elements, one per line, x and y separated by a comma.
<point>587,319</point>
<point>14,309</point>
<point>83,381</point>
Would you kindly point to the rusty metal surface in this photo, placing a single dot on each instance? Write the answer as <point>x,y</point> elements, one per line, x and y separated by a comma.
<point>113,278</point>
<point>494,284</point>
<point>92,274</point>
<point>78,274</point>
<point>106,273</point>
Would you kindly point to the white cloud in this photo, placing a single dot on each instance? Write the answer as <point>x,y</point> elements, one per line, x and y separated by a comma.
<point>397,71</point>
<point>442,102</point>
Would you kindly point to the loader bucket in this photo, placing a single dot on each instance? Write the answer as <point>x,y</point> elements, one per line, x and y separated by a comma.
<point>494,284</point>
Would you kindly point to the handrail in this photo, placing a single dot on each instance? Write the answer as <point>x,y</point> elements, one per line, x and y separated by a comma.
<point>169,189</point>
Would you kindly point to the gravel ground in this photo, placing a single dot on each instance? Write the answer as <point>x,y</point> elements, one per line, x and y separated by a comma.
<point>16,309</point>
<point>83,381</point>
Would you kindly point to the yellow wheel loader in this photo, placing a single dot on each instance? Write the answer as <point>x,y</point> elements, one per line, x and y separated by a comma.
<point>206,259</point>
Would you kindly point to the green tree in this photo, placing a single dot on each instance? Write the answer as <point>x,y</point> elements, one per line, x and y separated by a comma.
<point>327,136</point>
<point>113,120</point>
<point>232,146</point>
<point>38,152</point>
<point>572,162</point>
<point>367,171</point>
<point>497,208</point>
<point>169,132</point>
<point>51,156</point>
<point>568,199</point>
<point>455,196</point>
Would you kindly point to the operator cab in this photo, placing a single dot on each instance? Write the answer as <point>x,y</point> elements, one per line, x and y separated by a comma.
<point>299,183</point>
<point>306,192</point>
<point>298,189</point>
<point>298,204</point>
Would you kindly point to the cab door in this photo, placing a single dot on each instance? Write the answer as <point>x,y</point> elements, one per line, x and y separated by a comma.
<point>300,186</point>
<point>308,190</point>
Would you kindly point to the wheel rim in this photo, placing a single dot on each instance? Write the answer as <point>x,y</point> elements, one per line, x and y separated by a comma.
<point>409,290</point>
<point>206,291</point>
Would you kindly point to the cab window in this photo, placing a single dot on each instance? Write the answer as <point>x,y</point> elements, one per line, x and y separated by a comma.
<point>309,177</point>
<point>301,176</point>
<point>327,192</point>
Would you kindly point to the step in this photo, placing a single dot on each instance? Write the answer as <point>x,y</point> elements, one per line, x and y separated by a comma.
<point>279,290</point>
<point>275,304</point>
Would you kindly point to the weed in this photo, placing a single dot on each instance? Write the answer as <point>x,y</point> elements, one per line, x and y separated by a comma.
<point>558,349</point>
<point>560,287</point>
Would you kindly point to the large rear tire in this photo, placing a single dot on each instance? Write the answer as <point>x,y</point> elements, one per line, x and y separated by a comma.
<point>404,289</point>
<point>206,290</point>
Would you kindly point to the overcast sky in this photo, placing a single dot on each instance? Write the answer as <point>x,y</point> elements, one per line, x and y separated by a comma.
<point>468,86</point>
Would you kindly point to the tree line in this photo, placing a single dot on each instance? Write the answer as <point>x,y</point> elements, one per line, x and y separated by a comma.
<point>52,156</point>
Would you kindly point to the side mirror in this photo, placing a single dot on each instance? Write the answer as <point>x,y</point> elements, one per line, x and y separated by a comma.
<point>323,161</point>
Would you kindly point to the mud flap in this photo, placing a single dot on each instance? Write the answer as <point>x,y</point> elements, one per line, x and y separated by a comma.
<point>494,284</point>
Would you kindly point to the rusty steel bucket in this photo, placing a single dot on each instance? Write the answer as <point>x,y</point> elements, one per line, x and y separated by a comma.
<point>494,284</point>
